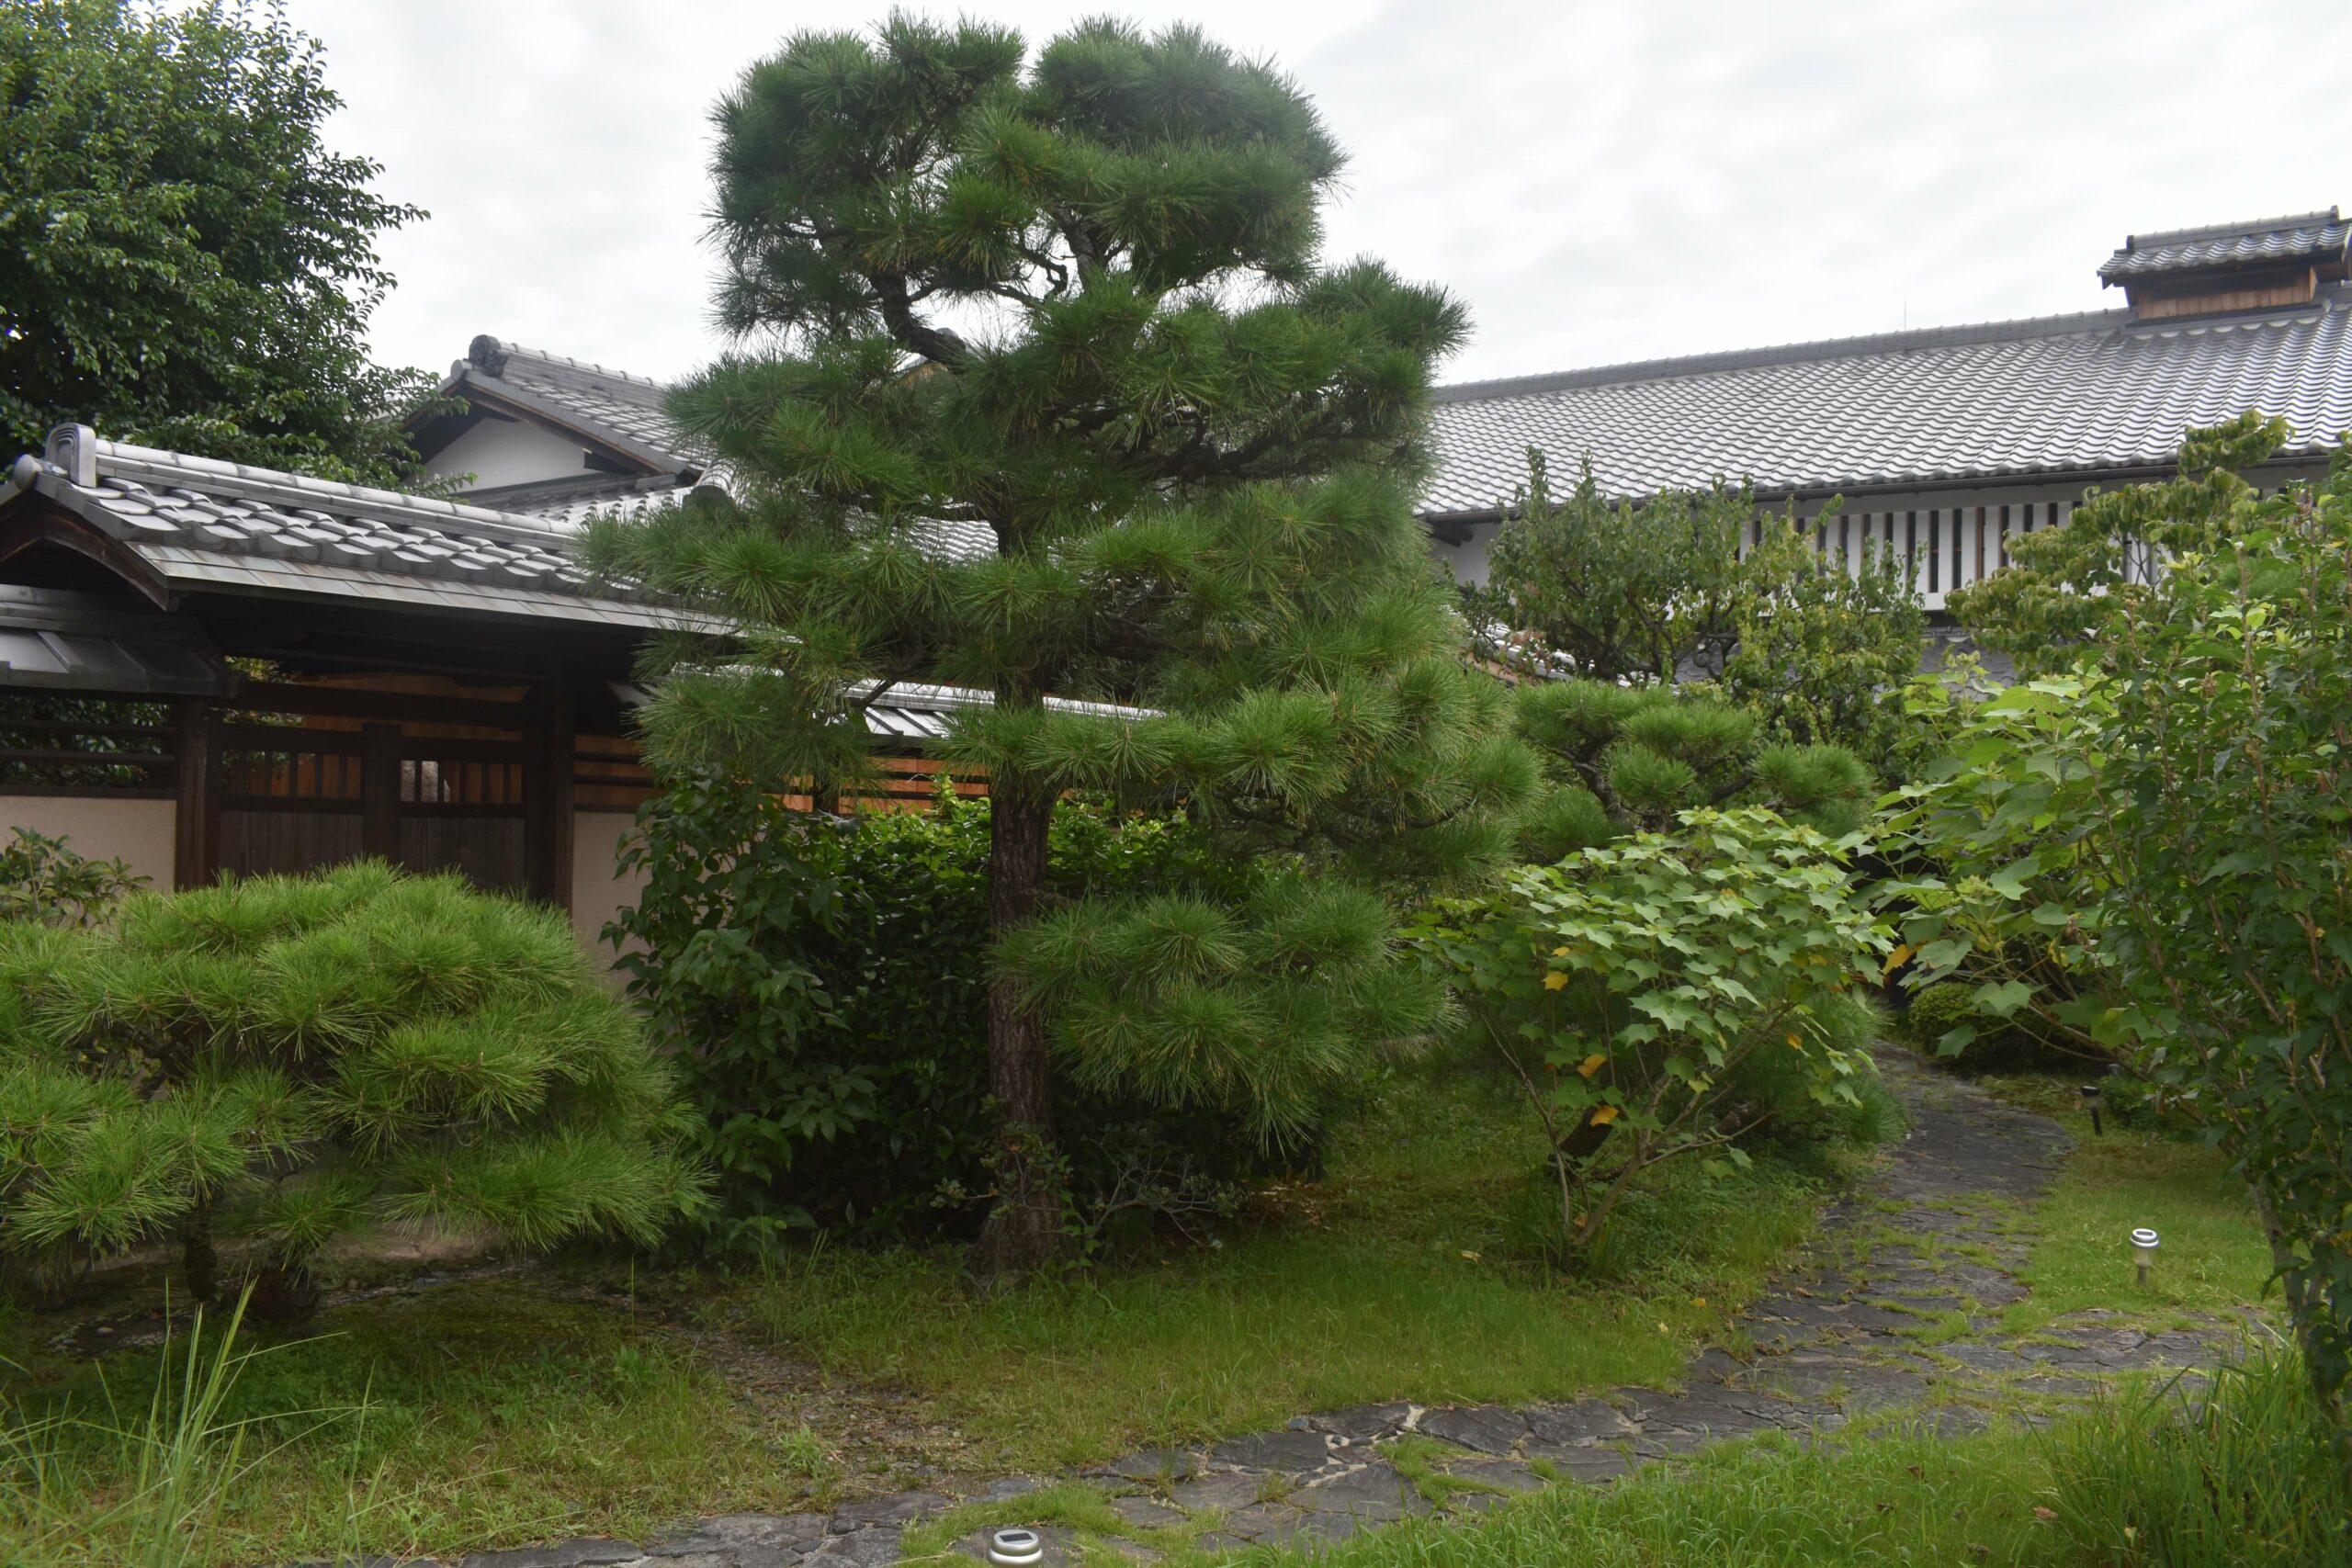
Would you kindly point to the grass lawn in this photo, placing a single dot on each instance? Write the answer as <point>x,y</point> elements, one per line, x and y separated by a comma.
<point>1395,1276</point>
<point>2212,1257</point>
<point>468,1415</point>
<point>507,1410</point>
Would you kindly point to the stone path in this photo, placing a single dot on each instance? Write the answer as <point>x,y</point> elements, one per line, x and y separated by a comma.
<point>1925,1247</point>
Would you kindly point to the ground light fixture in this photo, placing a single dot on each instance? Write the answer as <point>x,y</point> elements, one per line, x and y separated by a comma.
<point>1016,1546</point>
<point>2144,1250</point>
<point>2090,1103</point>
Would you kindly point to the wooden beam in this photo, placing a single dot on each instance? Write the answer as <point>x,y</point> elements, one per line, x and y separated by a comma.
<point>380,792</point>
<point>548,797</point>
<point>346,701</point>
<point>195,829</point>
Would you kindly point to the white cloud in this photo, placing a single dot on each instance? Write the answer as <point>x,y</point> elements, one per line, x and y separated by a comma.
<point>1598,181</point>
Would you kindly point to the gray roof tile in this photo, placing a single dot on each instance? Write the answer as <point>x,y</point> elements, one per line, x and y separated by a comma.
<point>197,520</point>
<point>2317,237</point>
<point>2010,400</point>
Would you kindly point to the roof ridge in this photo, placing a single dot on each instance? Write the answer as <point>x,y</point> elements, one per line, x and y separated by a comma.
<point>387,505</point>
<point>490,354</point>
<point>2324,216</point>
<point>2080,322</point>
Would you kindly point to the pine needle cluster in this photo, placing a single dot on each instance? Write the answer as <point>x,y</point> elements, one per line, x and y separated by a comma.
<point>288,1060</point>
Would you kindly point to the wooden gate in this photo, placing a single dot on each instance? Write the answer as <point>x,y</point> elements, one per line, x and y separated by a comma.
<point>294,799</point>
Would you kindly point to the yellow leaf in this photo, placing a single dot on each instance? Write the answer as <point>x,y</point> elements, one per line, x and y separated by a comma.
<point>1605,1115</point>
<point>1555,981</point>
<point>1697,1301</point>
<point>1591,1065</point>
<point>1471,1255</point>
<point>1562,951</point>
<point>1895,960</point>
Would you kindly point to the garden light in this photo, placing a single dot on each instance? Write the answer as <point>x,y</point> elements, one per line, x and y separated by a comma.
<point>2143,1248</point>
<point>1017,1546</point>
<point>2090,1102</point>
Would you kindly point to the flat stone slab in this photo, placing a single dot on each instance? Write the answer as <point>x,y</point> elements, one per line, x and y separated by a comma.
<point>1482,1428</point>
<point>1295,1453</point>
<point>1376,1491</point>
<point>1145,1514</point>
<point>1226,1491</point>
<point>1157,1464</point>
<point>894,1510</point>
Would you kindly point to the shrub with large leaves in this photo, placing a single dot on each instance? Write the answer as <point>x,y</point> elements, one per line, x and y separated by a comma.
<point>288,1060</point>
<point>1627,988</point>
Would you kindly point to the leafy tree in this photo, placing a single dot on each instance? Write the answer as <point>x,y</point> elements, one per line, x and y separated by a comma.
<point>1658,591</point>
<point>2067,587</point>
<point>2169,825</point>
<point>1053,398</point>
<point>1627,759</point>
<point>1823,653</point>
<point>290,1059</point>
<point>182,261</point>
<point>1628,990</point>
<point>1618,590</point>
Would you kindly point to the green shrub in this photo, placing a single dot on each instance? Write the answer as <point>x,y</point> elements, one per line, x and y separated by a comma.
<point>1624,759</point>
<point>826,981</point>
<point>42,879</point>
<point>1634,990</point>
<point>289,1059</point>
<point>2237,1474</point>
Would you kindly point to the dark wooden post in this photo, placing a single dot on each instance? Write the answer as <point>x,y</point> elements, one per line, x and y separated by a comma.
<point>548,792</point>
<point>380,792</point>
<point>196,835</point>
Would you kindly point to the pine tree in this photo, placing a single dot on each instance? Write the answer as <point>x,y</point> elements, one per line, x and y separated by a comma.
<point>287,1059</point>
<point>1047,393</point>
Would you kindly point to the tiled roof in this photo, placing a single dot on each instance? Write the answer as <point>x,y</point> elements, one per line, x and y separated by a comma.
<point>2318,237</point>
<point>204,525</point>
<point>623,409</point>
<point>2010,400</point>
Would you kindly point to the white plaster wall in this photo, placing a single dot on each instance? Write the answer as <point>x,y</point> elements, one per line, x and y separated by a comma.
<point>139,832</point>
<point>508,452</point>
<point>599,890</point>
<point>1467,559</point>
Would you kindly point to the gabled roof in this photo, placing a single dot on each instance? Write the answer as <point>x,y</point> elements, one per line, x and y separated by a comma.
<point>2318,238</point>
<point>173,523</point>
<point>623,409</point>
<point>2057,397</point>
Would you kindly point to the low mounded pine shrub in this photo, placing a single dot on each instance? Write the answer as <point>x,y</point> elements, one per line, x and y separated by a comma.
<point>287,1060</point>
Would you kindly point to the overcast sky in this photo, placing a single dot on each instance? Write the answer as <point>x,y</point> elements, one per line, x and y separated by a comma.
<point>1598,182</point>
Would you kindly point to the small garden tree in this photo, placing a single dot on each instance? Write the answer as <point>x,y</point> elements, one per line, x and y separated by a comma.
<point>291,1059</point>
<point>1613,589</point>
<point>1659,592</point>
<point>1629,988</point>
<point>2065,588</point>
<point>2170,825</point>
<point>1053,398</point>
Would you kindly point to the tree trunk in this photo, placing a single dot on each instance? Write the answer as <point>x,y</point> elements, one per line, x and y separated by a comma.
<point>1024,1231</point>
<point>284,1294</point>
<point>200,1259</point>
